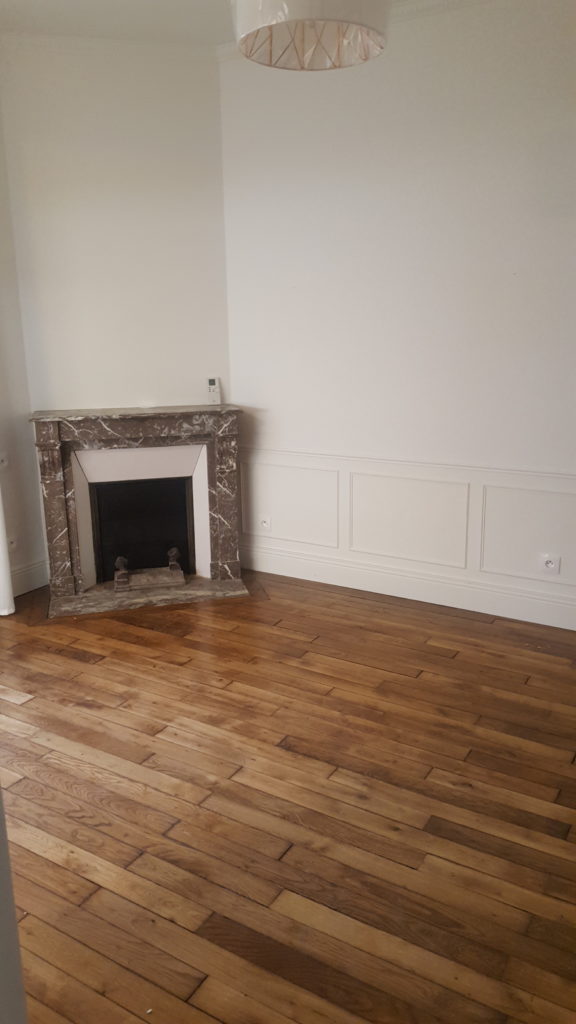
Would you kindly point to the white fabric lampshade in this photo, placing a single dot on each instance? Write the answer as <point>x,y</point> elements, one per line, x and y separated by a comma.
<point>310,35</point>
<point>6,598</point>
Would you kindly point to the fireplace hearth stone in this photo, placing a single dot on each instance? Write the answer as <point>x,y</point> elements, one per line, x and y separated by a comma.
<point>104,598</point>
<point>60,433</point>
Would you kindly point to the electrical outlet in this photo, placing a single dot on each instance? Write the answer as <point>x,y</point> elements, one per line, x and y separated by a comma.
<point>550,564</point>
<point>265,523</point>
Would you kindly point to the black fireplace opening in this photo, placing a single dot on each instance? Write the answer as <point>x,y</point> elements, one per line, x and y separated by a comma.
<point>141,520</point>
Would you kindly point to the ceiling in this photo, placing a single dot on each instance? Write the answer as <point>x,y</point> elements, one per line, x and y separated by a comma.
<point>202,23</point>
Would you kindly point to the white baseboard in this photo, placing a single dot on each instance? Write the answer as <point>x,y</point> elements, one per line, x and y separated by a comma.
<point>29,577</point>
<point>509,602</point>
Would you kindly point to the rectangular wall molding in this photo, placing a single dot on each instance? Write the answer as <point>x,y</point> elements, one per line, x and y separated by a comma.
<point>409,518</point>
<point>299,503</point>
<point>458,535</point>
<point>521,525</point>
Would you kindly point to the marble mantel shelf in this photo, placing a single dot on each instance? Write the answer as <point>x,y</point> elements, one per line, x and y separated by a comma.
<point>62,432</point>
<point>53,415</point>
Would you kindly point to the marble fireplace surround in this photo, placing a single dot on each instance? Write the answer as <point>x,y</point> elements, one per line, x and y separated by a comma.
<point>62,436</point>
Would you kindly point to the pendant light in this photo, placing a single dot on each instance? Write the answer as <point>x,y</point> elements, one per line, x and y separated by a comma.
<point>310,35</point>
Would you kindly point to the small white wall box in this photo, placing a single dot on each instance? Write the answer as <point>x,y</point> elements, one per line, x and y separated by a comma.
<point>214,392</point>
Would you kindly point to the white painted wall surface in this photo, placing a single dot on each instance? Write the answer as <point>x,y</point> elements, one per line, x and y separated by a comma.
<point>19,478</point>
<point>115,175</point>
<point>401,244</point>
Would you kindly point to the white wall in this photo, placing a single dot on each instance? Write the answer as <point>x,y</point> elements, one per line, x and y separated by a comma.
<point>19,480</point>
<point>401,267</point>
<point>113,154</point>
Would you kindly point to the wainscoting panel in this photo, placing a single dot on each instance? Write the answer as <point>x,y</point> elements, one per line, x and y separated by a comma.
<point>421,520</point>
<point>298,504</point>
<point>455,535</point>
<point>521,525</point>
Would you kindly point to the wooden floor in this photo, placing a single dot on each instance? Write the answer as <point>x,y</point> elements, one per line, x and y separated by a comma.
<point>309,805</point>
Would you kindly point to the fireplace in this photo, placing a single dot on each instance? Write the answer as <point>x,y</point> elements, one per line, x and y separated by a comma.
<point>141,506</point>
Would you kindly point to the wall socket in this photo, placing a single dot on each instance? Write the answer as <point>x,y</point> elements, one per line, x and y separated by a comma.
<point>550,564</point>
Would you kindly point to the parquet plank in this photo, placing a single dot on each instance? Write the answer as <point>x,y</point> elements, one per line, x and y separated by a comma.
<point>52,824</point>
<point>556,935</point>
<point>542,983</point>
<point>354,980</point>
<point>477,812</point>
<point>62,993</point>
<point>421,920</point>
<point>464,981</point>
<point>8,778</point>
<point>296,823</point>
<point>103,873</point>
<point>513,895</point>
<point>403,772</point>
<point>517,704</point>
<point>127,949</point>
<point>38,1013</point>
<point>553,775</point>
<point>100,974</point>
<point>532,804</point>
<point>514,854</point>
<point>77,726</point>
<point>51,876</point>
<point>128,777</point>
<point>277,993</point>
<point>93,799</point>
<point>243,750</point>
<point>14,696</point>
<point>233,1007</point>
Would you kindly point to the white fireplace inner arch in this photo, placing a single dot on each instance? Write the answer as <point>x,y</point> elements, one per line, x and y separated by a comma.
<point>97,465</point>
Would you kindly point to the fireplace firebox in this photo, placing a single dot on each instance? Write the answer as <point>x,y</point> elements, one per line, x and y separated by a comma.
<point>141,521</point>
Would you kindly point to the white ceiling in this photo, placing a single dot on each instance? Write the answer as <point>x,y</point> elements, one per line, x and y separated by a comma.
<point>202,23</point>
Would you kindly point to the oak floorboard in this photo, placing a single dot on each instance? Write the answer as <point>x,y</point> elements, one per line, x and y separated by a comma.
<point>39,1013</point>
<point>309,805</point>
<point>274,991</point>
<point>365,986</point>
<point>141,958</point>
<point>58,880</point>
<point>416,918</point>
<point>100,974</point>
<point>62,993</point>
<point>469,983</point>
<point>233,1007</point>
